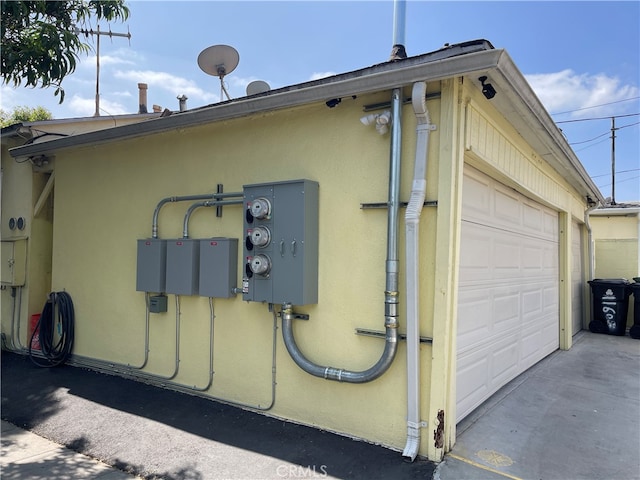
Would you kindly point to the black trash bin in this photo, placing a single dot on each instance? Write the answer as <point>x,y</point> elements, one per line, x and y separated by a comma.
<point>610,305</point>
<point>634,331</point>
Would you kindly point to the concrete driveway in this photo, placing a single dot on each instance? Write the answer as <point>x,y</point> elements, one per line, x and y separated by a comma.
<point>573,416</point>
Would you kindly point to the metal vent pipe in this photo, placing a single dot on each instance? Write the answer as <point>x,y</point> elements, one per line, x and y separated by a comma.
<point>142,98</point>
<point>398,50</point>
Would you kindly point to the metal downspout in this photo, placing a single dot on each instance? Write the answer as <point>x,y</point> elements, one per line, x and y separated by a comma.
<point>391,288</point>
<point>412,228</point>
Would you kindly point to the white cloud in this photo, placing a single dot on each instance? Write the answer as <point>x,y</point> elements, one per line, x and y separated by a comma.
<point>567,91</point>
<point>319,75</point>
<point>118,57</point>
<point>9,98</point>
<point>86,107</point>
<point>166,81</point>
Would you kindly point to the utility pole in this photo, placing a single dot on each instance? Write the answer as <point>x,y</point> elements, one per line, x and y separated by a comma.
<point>98,33</point>
<point>613,160</point>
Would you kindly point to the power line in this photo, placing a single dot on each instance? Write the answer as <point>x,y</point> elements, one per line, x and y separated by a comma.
<point>619,171</point>
<point>592,145</point>
<point>591,140</point>
<point>599,118</point>
<point>596,106</point>
<point>603,134</point>
<point>619,181</point>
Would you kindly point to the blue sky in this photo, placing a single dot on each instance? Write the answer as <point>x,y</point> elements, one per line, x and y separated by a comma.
<point>582,58</point>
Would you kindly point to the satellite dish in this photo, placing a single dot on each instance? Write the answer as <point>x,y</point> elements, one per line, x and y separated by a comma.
<point>257,86</point>
<point>219,60</point>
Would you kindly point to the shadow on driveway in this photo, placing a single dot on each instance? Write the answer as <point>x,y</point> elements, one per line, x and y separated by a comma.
<point>158,433</point>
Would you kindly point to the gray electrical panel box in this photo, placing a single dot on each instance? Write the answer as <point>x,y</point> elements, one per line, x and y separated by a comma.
<point>14,262</point>
<point>152,266</point>
<point>281,242</point>
<point>158,304</point>
<point>183,262</point>
<point>218,267</point>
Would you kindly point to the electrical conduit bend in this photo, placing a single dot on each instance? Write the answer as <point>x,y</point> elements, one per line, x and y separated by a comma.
<point>391,290</point>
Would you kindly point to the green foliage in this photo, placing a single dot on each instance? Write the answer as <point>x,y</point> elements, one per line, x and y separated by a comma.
<point>24,114</point>
<point>41,42</point>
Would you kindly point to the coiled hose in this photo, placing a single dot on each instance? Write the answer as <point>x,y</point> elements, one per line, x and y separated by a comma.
<point>54,354</point>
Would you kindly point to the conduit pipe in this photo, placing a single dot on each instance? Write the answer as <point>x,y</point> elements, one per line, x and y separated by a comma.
<point>109,368</point>
<point>412,230</point>
<point>391,290</point>
<point>186,198</point>
<point>208,203</point>
<point>95,363</point>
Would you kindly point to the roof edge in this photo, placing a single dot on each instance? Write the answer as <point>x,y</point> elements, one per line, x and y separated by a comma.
<point>370,79</point>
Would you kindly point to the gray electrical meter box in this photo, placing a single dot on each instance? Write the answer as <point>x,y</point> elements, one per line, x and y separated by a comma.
<point>183,266</point>
<point>218,267</point>
<point>281,242</point>
<point>152,265</point>
<point>14,262</point>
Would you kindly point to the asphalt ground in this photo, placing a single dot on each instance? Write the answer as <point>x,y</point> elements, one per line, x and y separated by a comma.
<point>156,433</point>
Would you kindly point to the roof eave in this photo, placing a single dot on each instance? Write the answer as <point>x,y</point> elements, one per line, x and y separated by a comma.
<point>518,102</point>
<point>380,77</point>
<point>515,100</point>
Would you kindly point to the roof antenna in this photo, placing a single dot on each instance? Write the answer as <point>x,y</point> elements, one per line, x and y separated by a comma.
<point>219,60</point>
<point>98,33</point>
<point>398,51</point>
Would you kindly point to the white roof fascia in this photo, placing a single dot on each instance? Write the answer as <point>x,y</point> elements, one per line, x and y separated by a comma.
<point>613,211</point>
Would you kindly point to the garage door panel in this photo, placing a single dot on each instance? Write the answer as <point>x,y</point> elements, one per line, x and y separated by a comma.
<point>472,381</point>
<point>508,311</point>
<point>529,344</point>
<point>508,209</point>
<point>477,257</point>
<point>478,201</point>
<point>551,224</point>
<point>506,308</point>
<point>504,361</point>
<point>532,218</point>
<point>532,303</point>
<point>475,304</point>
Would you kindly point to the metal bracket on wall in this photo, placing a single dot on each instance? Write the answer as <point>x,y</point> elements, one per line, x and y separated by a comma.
<point>366,206</point>
<point>406,100</point>
<point>377,333</point>
<point>219,189</point>
<point>297,316</point>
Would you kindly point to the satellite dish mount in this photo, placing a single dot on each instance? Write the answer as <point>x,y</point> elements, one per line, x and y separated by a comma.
<point>218,61</point>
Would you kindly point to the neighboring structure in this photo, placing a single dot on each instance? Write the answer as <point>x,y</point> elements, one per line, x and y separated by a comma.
<point>27,210</point>
<point>616,235</point>
<point>311,238</point>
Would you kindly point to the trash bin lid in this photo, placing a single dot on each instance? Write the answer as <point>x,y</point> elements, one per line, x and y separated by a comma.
<point>615,281</point>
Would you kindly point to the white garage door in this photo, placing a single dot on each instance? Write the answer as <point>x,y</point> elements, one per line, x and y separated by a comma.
<point>508,310</point>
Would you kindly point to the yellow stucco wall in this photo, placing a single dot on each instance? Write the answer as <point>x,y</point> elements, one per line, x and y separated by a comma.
<point>105,197</point>
<point>104,200</point>
<point>617,248</point>
<point>20,190</point>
